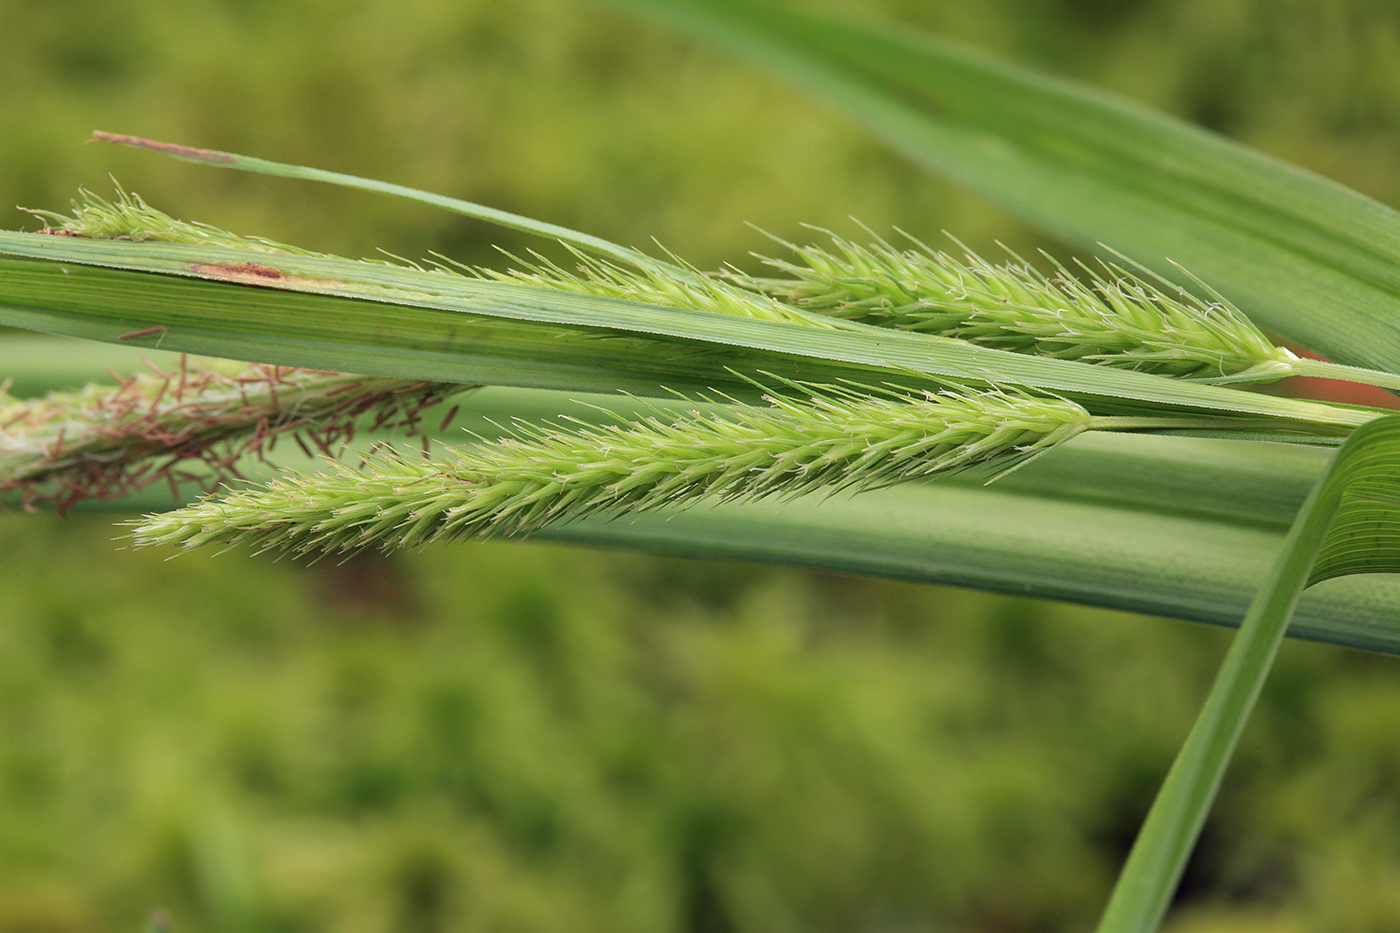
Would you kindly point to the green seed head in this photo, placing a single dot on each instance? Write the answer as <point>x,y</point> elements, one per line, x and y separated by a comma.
<point>672,285</point>
<point>838,439</point>
<point>131,218</point>
<point>1114,317</point>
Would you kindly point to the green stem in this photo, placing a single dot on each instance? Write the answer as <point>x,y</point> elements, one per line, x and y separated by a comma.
<point>1192,425</point>
<point>1323,369</point>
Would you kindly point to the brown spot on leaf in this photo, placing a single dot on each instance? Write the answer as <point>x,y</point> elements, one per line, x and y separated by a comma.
<point>141,333</point>
<point>249,273</point>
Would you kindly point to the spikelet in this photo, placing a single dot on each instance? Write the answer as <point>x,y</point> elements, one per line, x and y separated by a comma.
<point>839,439</point>
<point>128,217</point>
<point>1116,318</point>
<point>671,284</point>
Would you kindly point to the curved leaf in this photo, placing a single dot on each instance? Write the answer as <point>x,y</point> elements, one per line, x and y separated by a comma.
<point>1306,257</point>
<point>1350,524</point>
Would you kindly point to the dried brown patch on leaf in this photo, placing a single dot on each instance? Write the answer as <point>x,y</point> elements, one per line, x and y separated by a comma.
<point>249,273</point>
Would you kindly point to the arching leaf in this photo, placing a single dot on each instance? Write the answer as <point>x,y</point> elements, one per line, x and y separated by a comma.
<point>1349,524</point>
<point>1306,257</point>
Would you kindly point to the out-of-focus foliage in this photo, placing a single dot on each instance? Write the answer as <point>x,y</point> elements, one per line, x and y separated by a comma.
<point>514,737</point>
<point>560,109</point>
<point>567,110</point>
<point>508,737</point>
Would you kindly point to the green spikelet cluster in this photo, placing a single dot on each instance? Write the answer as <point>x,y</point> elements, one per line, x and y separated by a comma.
<point>670,284</point>
<point>1115,318</point>
<point>837,440</point>
<point>129,217</point>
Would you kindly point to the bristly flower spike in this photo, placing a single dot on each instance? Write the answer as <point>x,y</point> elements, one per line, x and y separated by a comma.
<point>1115,318</point>
<point>129,217</point>
<point>836,439</point>
<point>674,284</point>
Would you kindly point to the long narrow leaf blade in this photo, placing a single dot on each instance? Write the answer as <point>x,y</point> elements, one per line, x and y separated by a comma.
<point>1004,540</point>
<point>1309,259</point>
<point>385,320</point>
<point>1350,524</point>
<point>1092,522</point>
<point>233,160</point>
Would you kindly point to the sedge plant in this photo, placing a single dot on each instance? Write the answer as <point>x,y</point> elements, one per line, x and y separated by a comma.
<point>789,415</point>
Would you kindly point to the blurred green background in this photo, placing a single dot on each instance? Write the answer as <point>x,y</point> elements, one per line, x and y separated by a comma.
<point>511,737</point>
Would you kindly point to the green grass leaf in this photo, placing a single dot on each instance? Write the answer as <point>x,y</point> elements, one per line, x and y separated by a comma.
<point>1305,257</point>
<point>1350,524</point>
<point>1094,521</point>
<point>1006,538</point>
<point>377,319</point>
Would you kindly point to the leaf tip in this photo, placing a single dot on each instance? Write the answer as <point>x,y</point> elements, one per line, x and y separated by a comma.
<point>174,149</point>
